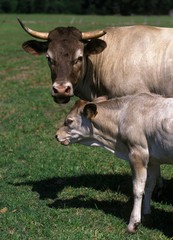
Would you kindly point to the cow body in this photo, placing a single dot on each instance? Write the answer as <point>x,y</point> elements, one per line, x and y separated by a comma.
<point>136,59</point>
<point>124,61</point>
<point>137,128</point>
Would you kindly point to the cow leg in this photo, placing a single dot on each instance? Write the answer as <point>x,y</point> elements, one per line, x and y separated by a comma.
<point>153,174</point>
<point>138,163</point>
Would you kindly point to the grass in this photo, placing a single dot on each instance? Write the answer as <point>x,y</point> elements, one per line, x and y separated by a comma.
<point>49,191</point>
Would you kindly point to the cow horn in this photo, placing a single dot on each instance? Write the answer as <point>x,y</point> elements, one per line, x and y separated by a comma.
<point>93,34</point>
<point>40,35</point>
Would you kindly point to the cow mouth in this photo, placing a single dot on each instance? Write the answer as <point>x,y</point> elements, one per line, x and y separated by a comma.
<point>62,100</point>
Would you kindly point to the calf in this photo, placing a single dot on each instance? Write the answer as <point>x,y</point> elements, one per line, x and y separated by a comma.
<point>137,128</point>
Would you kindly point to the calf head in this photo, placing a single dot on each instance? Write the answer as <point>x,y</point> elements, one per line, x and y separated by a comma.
<point>66,50</point>
<point>77,126</point>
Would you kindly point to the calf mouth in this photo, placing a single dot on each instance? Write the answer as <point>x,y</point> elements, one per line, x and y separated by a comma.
<point>65,142</point>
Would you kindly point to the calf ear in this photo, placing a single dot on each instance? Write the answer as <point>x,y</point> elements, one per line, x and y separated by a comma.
<point>95,46</point>
<point>35,47</point>
<point>90,110</point>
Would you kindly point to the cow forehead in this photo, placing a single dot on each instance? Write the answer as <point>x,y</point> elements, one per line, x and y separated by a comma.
<point>67,37</point>
<point>66,47</point>
<point>53,53</point>
<point>65,32</point>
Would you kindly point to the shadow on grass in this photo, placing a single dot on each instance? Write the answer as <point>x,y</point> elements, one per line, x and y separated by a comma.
<point>49,188</point>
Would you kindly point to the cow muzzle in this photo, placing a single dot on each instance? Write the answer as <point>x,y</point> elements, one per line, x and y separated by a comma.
<point>61,92</point>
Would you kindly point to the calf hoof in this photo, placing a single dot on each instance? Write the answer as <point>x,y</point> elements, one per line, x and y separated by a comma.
<point>132,228</point>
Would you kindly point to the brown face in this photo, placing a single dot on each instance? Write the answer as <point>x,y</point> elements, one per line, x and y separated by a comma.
<point>66,50</point>
<point>66,62</point>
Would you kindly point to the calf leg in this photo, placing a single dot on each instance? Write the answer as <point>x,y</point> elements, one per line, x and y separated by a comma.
<point>153,174</point>
<point>139,170</point>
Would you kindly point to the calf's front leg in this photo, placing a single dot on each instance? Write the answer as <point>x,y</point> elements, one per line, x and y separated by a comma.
<point>138,163</point>
<point>153,174</point>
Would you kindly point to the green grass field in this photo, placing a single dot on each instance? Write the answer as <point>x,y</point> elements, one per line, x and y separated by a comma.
<point>49,191</point>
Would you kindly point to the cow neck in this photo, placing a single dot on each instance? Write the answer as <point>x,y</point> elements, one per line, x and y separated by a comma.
<point>83,89</point>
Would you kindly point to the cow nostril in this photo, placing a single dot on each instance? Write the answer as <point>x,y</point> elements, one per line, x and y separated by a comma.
<point>68,89</point>
<point>55,90</point>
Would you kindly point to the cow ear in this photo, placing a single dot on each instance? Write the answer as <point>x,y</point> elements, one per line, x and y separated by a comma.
<point>90,110</point>
<point>95,46</point>
<point>35,47</point>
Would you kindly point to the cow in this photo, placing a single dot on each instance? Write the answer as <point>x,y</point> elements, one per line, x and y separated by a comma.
<point>137,128</point>
<point>116,61</point>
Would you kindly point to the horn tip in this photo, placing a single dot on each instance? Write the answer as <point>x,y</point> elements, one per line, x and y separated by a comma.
<point>21,23</point>
<point>19,20</point>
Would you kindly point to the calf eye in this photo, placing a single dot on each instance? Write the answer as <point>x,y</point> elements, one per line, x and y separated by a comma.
<point>68,121</point>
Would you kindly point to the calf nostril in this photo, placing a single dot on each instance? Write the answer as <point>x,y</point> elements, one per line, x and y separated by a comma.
<point>56,136</point>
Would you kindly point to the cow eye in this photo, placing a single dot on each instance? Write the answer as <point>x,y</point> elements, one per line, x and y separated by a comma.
<point>50,60</point>
<point>68,121</point>
<point>79,59</point>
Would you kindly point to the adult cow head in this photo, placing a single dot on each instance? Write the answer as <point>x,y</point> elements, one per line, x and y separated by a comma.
<point>66,50</point>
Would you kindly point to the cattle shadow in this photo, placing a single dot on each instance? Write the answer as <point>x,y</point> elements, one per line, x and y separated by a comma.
<point>49,189</point>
